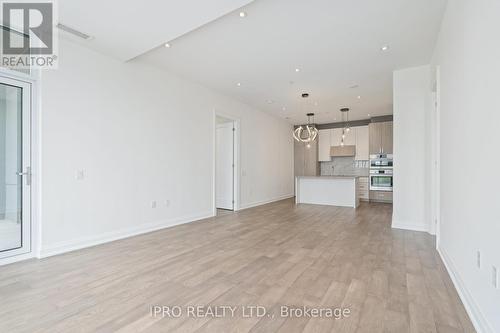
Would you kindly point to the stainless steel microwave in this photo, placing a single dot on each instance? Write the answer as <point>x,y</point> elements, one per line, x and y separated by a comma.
<point>381,161</point>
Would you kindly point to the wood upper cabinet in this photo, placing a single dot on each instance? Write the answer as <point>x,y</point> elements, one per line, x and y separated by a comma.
<point>375,130</point>
<point>362,143</point>
<point>387,138</point>
<point>381,138</point>
<point>324,145</point>
<point>306,159</point>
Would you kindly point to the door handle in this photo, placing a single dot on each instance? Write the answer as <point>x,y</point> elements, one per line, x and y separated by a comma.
<point>27,173</point>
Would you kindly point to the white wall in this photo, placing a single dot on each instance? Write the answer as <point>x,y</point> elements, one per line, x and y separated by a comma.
<point>412,88</point>
<point>468,53</point>
<point>139,135</point>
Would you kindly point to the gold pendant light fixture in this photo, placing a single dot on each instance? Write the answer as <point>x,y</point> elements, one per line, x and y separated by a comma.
<point>306,133</point>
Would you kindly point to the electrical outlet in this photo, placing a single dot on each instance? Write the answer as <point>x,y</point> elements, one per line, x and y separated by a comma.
<point>478,259</point>
<point>153,204</point>
<point>494,277</point>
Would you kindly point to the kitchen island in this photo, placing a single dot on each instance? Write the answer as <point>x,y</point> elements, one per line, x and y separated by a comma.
<point>327,190</point>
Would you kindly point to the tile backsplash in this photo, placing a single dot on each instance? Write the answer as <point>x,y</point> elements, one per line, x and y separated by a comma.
<point>344,166</point>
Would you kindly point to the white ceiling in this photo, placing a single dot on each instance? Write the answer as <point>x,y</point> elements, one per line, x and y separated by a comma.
<point>335,43</point>
<point>125,29</point>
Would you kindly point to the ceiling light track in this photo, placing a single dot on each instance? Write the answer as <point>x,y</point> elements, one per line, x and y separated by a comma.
<point>72,31</point>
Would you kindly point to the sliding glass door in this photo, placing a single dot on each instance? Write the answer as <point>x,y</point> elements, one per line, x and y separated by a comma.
<point>15,170</point>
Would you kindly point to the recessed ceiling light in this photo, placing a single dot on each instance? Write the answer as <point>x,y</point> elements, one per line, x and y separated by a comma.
<point>167,45</point>
<point>359,97</point>
<point>243,14</point>
<point>238,84</point>
<point>385,48</point>
<point>297,70</point>
<point>283,108</point>
<point>368,115</point>
<point>270,101</point>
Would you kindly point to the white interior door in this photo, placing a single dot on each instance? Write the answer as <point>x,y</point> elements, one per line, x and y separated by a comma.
<point>15,174</point>
<point>224,166</point>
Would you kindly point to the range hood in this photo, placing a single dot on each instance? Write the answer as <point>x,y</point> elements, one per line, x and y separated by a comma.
<point>342,151</point>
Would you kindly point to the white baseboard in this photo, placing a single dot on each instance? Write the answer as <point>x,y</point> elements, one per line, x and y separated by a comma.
<point>84,242</point>
<point>13,259</point>
<point>76,244</point>
<point>409,226</point>
<point>479,321</point>
<point>263,202</point>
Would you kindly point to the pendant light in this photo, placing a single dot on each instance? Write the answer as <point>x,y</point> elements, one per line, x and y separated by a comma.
<point>307,133</point>
<point>347,127</point>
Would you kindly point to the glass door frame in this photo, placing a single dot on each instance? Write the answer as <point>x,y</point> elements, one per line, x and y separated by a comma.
<point>26,223</point>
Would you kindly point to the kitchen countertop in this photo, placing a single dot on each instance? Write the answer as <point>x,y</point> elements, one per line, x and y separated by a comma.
<point>332,177</point>
<point>357,176</point>
<point>347,175</point>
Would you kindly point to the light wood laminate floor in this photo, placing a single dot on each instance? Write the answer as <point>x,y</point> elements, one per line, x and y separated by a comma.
<point>272,255</point>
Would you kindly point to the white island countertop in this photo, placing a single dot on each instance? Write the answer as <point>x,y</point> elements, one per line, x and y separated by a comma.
<point>338,176</point>
<point>327,190</point>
